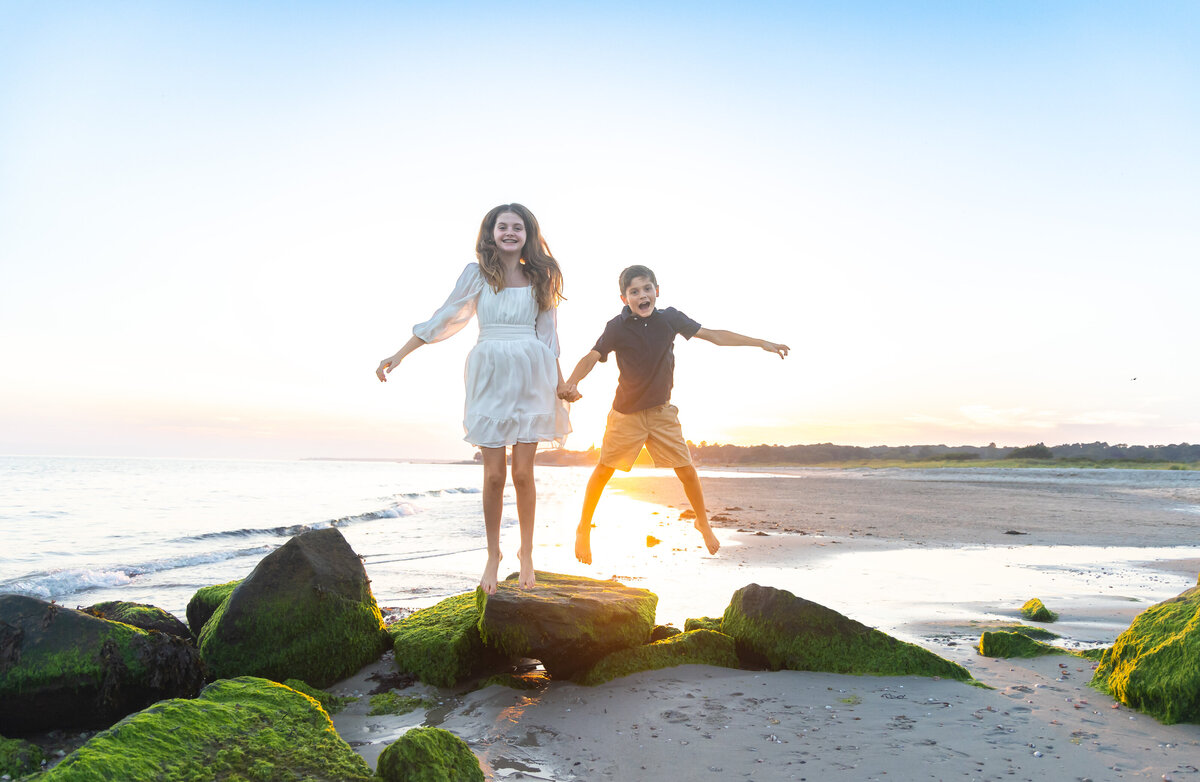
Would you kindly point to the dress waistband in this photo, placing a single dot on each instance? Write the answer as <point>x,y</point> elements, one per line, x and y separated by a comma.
<point>506,331</point>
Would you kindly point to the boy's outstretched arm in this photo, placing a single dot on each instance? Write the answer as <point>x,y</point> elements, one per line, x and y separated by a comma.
<point>585,365</point>
<point>733,339</point>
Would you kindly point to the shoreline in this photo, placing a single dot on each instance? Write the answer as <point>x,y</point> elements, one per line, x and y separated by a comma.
<point>1039,720</point>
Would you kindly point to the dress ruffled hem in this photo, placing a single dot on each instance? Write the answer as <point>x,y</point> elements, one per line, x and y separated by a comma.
<point>486,432</point>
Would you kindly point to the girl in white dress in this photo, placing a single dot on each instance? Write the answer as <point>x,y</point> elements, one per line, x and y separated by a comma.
<point>512,374</point>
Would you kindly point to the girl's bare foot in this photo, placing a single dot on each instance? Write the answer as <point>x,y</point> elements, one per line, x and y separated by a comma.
<point>526,579</point>
<point>491,574</point>
<point>710,539</point>
<point>583,543</point>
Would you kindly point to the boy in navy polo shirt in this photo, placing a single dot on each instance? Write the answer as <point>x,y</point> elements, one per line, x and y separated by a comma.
<point>643,338</point>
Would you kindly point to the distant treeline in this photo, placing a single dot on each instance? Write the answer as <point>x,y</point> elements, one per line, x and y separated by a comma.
<point>828,453</point>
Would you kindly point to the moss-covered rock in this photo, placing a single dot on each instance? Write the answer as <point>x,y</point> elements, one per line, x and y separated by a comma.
<point>441,644</point>
<point>331,703</point>
<point>567,622</point>
<point>429,755</point>
<point>18,758</point>
<point>1155,664</point>
<point>1037,633</point>
<point>306,612</point>
<point>663,632</point>
<point>1002,644</point>
<point>395,703</point>
<point>62,668</point>
<point>703,623</point>
<point>695,647</point>
<point>141,615</point>
<point>237,729</point>
<point>530,680</point>
<point>784,631</point>
<point>1035,611</point>
<point>205,603</point>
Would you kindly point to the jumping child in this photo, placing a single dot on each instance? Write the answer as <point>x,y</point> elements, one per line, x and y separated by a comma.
<point>643,338</point>
<point>513,379</point>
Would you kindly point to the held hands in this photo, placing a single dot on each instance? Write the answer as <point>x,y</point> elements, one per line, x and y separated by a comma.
<point>775,347</point>
<point>569,392</point>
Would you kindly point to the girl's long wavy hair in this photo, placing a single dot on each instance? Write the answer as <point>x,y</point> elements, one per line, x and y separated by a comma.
<point>537,262</point>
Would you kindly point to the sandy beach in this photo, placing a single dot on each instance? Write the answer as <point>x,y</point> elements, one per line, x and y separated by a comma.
<point>1039,719</point>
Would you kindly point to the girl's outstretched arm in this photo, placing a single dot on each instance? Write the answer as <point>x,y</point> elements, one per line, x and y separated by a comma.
<point>393,361</point>
<point>733,339</point>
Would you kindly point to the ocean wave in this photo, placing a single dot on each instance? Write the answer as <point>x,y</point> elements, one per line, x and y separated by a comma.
<point>290,530</point>
<point>57,584</point>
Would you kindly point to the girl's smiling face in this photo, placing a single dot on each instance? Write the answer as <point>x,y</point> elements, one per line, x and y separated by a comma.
<point>640,296</point>
<point>509,233</point>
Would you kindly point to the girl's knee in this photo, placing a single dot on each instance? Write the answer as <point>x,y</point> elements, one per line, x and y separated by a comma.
<point>522,478</point>
<point>493,480</point>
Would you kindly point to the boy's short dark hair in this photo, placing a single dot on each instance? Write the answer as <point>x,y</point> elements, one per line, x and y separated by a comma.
<point>637,270</point>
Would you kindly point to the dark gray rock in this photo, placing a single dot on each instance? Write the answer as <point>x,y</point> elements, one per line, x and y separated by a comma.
<point>567,622</point>
<point>62,668</point>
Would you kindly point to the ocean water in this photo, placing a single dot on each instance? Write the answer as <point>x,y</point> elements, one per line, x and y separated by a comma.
<point>84,530</point>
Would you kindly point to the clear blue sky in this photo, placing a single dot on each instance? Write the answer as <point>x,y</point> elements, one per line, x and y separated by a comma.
<point>972,222</point>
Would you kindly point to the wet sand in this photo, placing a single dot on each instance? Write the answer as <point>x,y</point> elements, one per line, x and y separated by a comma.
<point>1097,556</point>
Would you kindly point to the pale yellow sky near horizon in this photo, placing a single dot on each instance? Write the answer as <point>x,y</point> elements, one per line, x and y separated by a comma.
<point>971,225</point>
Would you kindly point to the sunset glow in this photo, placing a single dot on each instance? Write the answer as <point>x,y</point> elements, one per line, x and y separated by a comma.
<point>971,222</point>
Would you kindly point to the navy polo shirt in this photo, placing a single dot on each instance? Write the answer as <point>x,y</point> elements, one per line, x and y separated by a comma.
<point>645,355</point>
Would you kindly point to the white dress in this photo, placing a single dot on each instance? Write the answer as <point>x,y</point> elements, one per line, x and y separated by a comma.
<point>512,372</point>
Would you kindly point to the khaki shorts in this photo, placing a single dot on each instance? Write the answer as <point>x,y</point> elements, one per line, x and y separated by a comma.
<point>657,428</point>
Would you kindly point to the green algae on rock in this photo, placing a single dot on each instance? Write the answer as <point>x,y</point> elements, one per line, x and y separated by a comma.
<point>305,612</point>
<point>62,668</point>
<point>205,603</point>
<point>1002,644</point>
<point>531,680</point>
<point>695,647</point>
<point>141,615</point>
<point>441,644</point>
<point>395,703</point>
<point>703,623</point>
<point>1154,665</point>
<point>429,755</point>
<point>245,728</point>
<point>18,758</point>
<point>777,628</point>
<point>663,632</point>
<point>567,622</point>
<point>331,703</point>
<point>1035,611</point>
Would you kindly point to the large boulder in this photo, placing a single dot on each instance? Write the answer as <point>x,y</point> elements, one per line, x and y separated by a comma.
<point>441,644</point>
<point>147,617</point>
<point>305,612</point>
<point>62,668</point>
<point>243,728</point>
<point>205,603</point>
<point>1155,664</point>
<point>429,755</point>
<point>567,622</point>
<point>775,627</point>
<point>695,647</point>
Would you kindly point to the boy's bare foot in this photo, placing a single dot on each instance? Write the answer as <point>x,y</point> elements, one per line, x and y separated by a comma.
<point>526,579</point>
<point>583,543</point>
<point>491,574</point>
<point>710,539</point>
